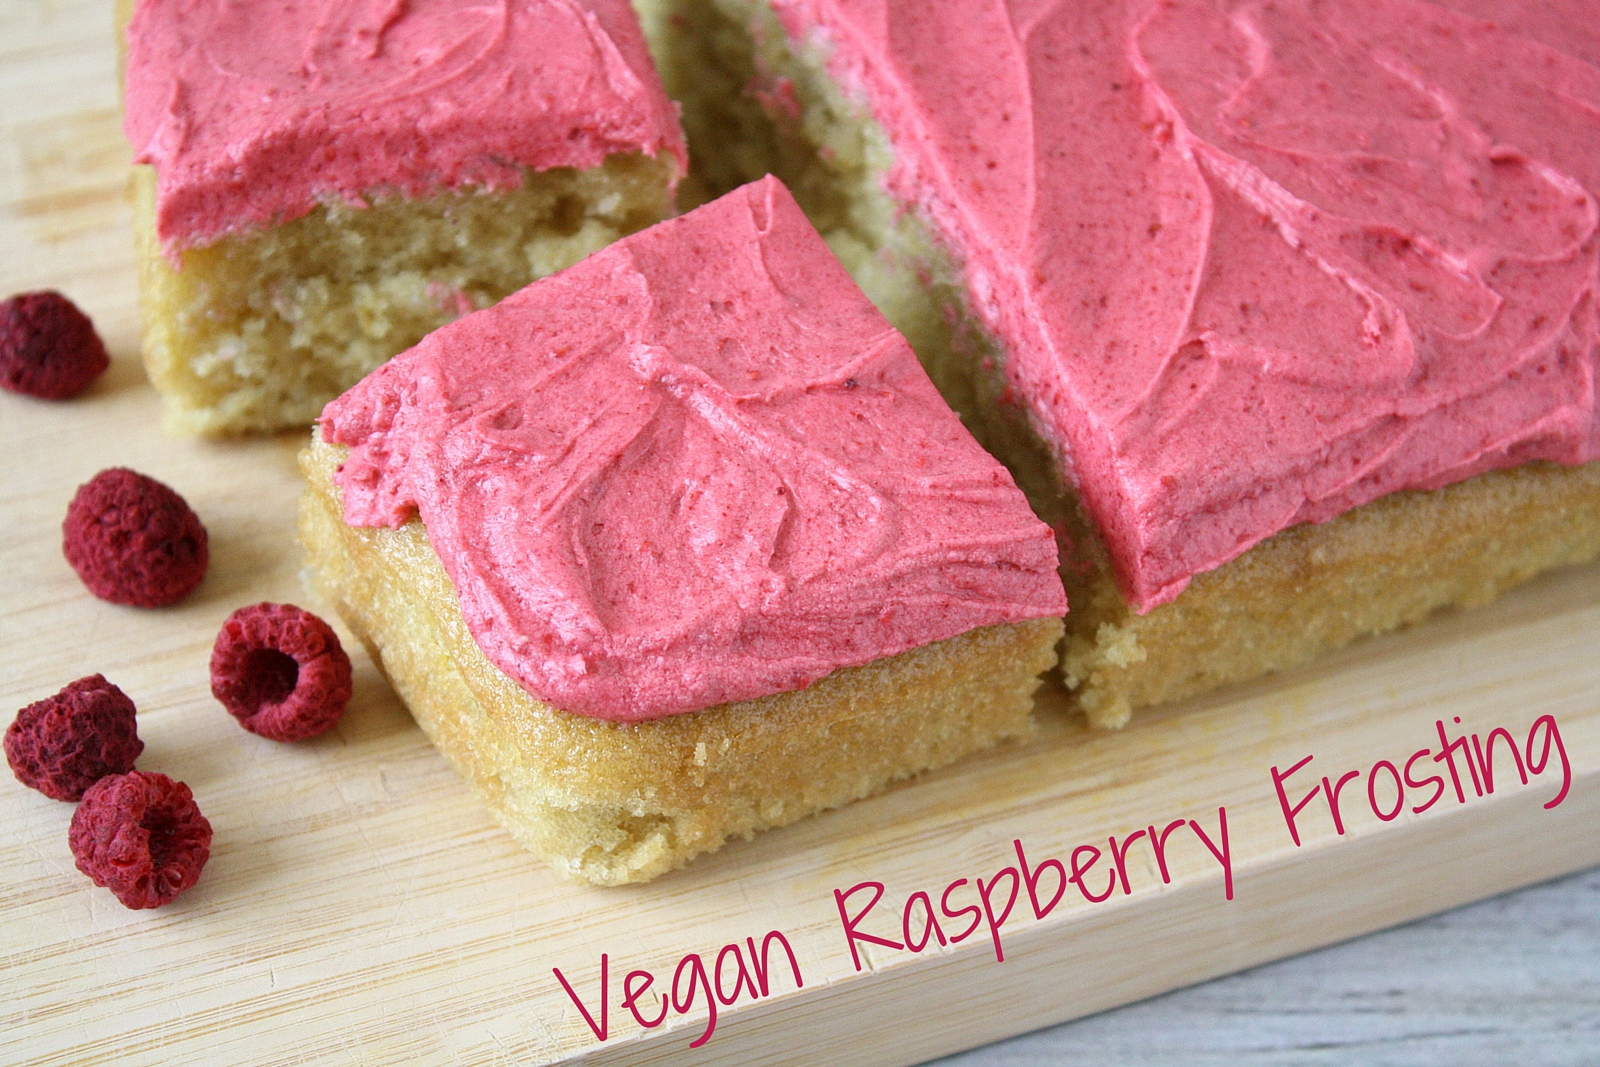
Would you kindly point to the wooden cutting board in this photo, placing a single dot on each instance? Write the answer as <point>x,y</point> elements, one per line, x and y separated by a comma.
<point>360,908</point>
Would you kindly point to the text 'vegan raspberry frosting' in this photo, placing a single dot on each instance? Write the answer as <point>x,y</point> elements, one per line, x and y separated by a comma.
<point>697,467</point>
<point>1256,263</point>
<point>255,112</point>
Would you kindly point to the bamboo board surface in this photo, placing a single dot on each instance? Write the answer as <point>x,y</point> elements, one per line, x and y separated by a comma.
<point>360,908</point>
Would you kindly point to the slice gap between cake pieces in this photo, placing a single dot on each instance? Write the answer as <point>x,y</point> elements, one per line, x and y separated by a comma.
<point>756,100</point>
<point>299,222</point>
<point>709,537</point>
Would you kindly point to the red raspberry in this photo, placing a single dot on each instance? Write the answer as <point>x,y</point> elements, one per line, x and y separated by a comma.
<point>64,744</point>
<point>48,348</point>
<point>280,671</point>
<point>133,540</point>
<point>141,836</point>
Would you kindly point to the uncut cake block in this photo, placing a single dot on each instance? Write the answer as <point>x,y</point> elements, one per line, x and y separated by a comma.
<point>680,544</point>
<point>1284,315</point>
<point>322,183</point>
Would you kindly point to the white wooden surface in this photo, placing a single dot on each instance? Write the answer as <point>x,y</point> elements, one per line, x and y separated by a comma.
<point>359,908</point>
<point>1513,980</point>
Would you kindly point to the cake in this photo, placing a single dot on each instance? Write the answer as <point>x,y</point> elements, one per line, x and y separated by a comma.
<point>320,184</point>
<point>1284,314</point>
<point>680,544</point>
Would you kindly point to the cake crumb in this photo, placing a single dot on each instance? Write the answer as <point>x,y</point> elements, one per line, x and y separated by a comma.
<point>1119,647</point>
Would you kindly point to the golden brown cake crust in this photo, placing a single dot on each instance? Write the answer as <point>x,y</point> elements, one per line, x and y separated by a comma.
<point>619,802</point>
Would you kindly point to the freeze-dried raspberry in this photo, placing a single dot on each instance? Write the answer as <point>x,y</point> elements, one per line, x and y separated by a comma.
<point>48,348</point>
<point>64,744</point>
<point>141,836</point>
<point>280,671</point>
<point>133,540</point>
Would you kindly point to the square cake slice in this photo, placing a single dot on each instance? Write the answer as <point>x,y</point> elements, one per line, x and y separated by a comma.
<point>1286,315</point>
<point>680,544</point>
<point>321,183</point>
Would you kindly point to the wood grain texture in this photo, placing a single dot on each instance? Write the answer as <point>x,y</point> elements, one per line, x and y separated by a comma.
<point>359,908</point>
<point>1513,980</point>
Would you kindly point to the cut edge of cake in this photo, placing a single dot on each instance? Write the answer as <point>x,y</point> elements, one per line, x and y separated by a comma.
<point>256,332</point>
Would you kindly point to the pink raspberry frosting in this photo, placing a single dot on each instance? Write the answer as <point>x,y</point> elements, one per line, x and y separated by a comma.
<point>254,111</point>
<point>1256,263</point>
<point>698,467</point>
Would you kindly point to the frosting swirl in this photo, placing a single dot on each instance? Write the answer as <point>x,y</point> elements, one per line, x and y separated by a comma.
<point>255,112</point>
<point>1257,262</point>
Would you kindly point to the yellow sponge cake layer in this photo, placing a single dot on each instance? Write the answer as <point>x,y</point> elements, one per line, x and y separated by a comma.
<point>612,803</point>
<point>257,332</point>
